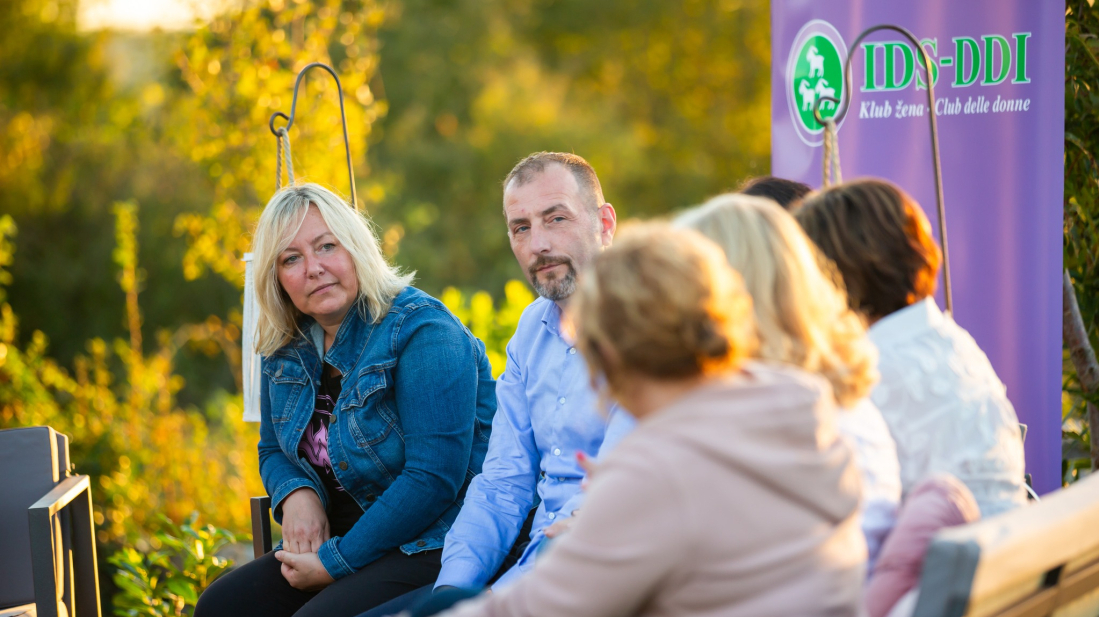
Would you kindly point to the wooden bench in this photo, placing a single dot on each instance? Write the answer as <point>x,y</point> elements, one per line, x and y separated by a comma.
<point>1032,562</point>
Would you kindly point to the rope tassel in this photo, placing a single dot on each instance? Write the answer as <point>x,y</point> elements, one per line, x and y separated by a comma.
<point>282,150</point>
<point>832,173</point>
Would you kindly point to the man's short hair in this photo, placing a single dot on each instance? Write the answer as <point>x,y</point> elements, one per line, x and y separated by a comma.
<point>785,192</point>
<point>590,189</point>
<point>880,241</point>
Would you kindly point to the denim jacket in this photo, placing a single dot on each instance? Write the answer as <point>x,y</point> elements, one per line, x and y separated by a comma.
<point>408,432</point>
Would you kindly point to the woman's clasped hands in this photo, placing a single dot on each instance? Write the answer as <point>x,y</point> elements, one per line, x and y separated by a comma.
<point>304,530</point>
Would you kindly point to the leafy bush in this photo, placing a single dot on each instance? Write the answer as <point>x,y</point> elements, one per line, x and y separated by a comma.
<point>145,454</point>
<point>1081,208</point>
<point>169,579</point>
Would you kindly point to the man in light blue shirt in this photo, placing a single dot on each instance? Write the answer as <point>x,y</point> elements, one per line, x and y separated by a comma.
<point>547,412</point>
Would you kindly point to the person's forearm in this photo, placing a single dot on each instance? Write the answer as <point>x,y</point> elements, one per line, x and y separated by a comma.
<point>488,525</point>
<point>279,474</point>
<point>415,500</point>
<point>499,499</point>
<point>610,558</point>
<point>281,477</point>
<point>619,424</point>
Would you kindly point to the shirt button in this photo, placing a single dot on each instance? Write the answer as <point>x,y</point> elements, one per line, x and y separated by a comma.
<point>370,498</point>
<point>551,516</point>
<point>421,543</point>
<point>557,451</point>
<point>343,465</point>
<point>572,351</point>
<point>561,401</point>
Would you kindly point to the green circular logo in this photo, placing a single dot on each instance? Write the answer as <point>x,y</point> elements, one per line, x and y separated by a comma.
<point>814,71</point>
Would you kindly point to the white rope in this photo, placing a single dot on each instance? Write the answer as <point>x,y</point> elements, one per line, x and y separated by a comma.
<point>250,360</point>
<point>832,173</point>
<point>283,150</point>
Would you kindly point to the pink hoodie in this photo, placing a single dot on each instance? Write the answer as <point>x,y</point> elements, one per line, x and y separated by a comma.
<point>937,502</point>
<point>737,500</point>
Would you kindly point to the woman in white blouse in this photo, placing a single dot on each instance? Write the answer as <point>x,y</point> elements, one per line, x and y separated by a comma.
<point>946,408</point>
<point>803,319</point>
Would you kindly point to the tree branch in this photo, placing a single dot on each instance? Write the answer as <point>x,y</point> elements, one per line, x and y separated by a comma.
<point>1083,358</point>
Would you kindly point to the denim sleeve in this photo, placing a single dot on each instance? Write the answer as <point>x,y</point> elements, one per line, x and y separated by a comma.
<point>279,474</point>
<point>435,382</point>
<point>618,426</point>
<point>500,497</point>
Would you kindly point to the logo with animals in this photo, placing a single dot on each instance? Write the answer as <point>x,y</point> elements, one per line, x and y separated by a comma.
<point>814,70</point>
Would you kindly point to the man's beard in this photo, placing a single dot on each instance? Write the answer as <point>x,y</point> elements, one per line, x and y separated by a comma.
<point>554,288</point>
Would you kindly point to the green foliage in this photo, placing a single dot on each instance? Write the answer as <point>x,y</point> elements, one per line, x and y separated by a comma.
<point>145,454</point>
<point>668,115</point>
<point>670,101</point>
<point>168,580</point>
<point>7,250</point>
<point>83,120</point>
<point>238,70</point>
<point>1081,241</point>
<point>442,99</point>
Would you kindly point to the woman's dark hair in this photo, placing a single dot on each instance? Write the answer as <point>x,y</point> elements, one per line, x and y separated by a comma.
<point>785,192</point>
<point>880,241</point>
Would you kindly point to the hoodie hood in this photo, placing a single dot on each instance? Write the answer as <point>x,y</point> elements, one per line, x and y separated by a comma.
<point>776,424</point>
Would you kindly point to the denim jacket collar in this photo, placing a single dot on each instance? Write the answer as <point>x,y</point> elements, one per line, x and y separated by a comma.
<point>350,342</point>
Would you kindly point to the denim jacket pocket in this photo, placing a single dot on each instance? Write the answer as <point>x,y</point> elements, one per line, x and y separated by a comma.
<point>368,423</point>
<point>287,381</point>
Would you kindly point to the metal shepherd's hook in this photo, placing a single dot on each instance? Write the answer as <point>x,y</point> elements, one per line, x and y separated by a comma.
<point>250,359</point>
<point>841,112</point>
<point>283,133</point>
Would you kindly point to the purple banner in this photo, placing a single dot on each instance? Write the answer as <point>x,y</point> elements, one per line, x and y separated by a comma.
<point>998,77</point>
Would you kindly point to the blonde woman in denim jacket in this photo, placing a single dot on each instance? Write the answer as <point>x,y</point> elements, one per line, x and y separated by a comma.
<point>376,405</point>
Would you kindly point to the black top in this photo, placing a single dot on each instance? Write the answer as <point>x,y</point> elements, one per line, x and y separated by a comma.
<point>342,510</point>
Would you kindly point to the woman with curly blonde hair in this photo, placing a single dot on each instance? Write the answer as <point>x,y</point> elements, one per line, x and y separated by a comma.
<point>803,319</point>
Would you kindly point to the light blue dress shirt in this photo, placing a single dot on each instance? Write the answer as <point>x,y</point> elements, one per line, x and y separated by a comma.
<point>546,412</point>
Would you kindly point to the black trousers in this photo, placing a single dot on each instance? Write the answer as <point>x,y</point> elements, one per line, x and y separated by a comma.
<point>258,588</point>
<point>419,599</point>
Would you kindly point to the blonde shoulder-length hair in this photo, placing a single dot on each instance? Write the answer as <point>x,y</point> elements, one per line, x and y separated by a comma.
<point>801,309</point>
<point>379,282</point>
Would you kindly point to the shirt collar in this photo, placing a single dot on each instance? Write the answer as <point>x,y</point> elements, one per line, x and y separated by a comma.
<point>907,322</point>
<point>315,333</point>
<point>551,317</point>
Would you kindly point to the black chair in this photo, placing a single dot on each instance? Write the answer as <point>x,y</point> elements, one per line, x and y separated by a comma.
<point>47,561</point>
<point>1035,561</point>
<point>261,526</point>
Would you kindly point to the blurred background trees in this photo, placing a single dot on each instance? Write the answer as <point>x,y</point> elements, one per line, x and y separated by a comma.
<point>1081,394</point>
<point>134,164</point>
<point>668,100</point>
